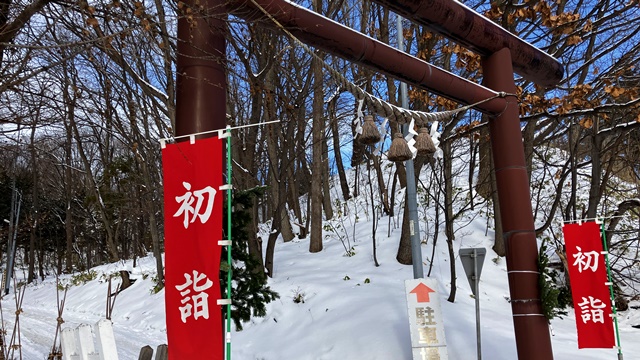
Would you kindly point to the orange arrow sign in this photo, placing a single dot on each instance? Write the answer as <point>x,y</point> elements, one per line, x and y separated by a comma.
<point>422,292</point>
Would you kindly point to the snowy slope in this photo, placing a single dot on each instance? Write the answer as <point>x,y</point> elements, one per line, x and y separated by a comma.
<point>351,309</point>
<point>343,315</point>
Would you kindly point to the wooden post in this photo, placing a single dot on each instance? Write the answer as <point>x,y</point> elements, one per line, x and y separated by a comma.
<point>146,353</point>
<point>162,352</point>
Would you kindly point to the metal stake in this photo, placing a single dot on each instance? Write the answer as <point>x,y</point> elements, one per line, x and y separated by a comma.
<point>476,284</point>
<point>610,281</point>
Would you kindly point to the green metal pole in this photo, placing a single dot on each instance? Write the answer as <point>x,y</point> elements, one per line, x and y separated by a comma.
<point>613,302</point>
<point>229,192</point>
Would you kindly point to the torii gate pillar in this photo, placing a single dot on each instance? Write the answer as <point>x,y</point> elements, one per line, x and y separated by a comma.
<point>531,328</point>
<point>201,82</point>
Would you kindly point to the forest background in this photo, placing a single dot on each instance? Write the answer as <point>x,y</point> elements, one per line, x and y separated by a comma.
<point>88,88</point>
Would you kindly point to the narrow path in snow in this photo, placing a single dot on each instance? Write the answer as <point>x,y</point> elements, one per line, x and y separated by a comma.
<point>38,324</point>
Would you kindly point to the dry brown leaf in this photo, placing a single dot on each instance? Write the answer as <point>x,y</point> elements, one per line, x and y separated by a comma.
<point>586,123</point>
<point>92,21</point>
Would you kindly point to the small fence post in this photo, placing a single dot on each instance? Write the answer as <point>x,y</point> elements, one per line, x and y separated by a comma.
<point>105,340</point>
<point>85,341</point>
<point>146,353</point>
<point>162,352</point>
<point>78,344</point>
<point>69,344</point>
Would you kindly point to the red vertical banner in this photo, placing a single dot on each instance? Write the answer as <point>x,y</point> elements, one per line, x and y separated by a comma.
<point>588,275</point>
<point>193,205</point>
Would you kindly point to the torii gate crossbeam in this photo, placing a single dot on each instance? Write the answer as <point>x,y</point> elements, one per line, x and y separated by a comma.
<point>337,39</point>
<point>475,32</point>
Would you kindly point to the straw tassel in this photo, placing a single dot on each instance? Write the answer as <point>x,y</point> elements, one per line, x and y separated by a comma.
<point>424,144</point>
<point>370,133</point>
<point>399,150</point>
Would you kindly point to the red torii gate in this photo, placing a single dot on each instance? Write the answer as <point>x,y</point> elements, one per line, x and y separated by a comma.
<point>201,105</point>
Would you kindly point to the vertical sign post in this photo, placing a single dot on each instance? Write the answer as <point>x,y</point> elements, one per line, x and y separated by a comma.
<point>425,320</point>
<point>472,261</point>
<point>588,276</point>
<point>193,175</point>
<point>229,187</point>
<point>610,284</point>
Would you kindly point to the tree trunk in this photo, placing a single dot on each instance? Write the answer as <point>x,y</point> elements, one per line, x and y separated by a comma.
<point>485,167</point>
<point>595,187</point>
<point>326,191</point>
<point>254,242</point>
<point>31,274</point>
<point>499,245</point>
<point>402,174</point>
<point>68,190</point>
<point>293,201</point>
<point>317,131</point>
<point>448,214</point>
<point>374,217</point>
<point>91,182</point>
<point>473,151</point>
<point>487,188</point>
<point>277,171</point>
<point>382,187</point>
<point>153,223</point>
<point>571,208</point>
<point>436,225</point>
<point>528,135</point>
<point>404,248</point>
<point>93,188</point>
<point>271,246</point>
<point>293,190</point>
<point>335,137</point>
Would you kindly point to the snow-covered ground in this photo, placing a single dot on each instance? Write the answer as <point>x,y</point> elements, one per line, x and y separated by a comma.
<point>351,309</point>
<point>343,316</point>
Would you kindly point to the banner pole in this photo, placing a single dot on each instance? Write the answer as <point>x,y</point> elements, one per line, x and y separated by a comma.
<point>610,283</point>
<point>229,193</point>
